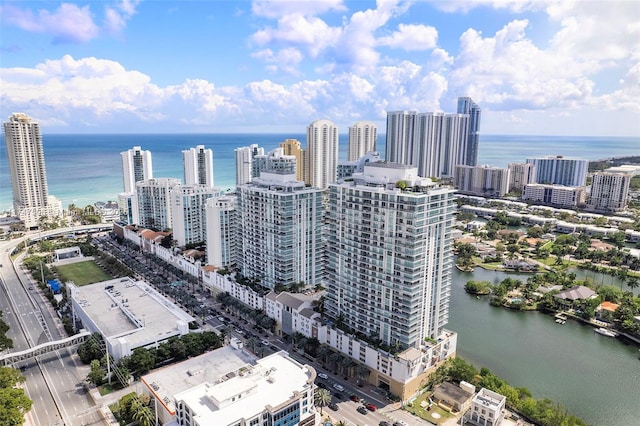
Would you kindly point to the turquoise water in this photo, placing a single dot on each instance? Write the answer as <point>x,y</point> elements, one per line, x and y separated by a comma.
<point>83,169</point>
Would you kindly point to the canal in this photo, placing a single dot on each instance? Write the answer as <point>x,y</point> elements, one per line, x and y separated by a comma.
<point>595,377</point>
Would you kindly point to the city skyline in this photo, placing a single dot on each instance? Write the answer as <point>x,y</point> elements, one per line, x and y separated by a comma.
<point>536,68</point>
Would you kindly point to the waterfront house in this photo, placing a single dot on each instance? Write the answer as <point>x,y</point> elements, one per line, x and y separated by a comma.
<point>487,408</point>
<point>569,296</point>
<point>453,397</point>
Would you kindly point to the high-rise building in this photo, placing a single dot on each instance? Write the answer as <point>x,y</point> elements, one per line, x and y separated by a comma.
<point>400,147</point>
<point>520,175</point>
<point>136,166</point>
<point>222,231</point>
<point>293,147</point>
<point>244,163</point>
<point>389,255</point>
<point>188,214</point>
<point>198,166</point>
<point>363,136</point>
<point>560,170</point>
<point>31,199</point>
<point>555,195</point>
<point>484,181</point>
<point>472,109</point>
<point>154,202</point>
<point>322,154</point>
<point>433,142</point>
<point>274,161</point>
<point>609,192</point>
<point>281,232</point>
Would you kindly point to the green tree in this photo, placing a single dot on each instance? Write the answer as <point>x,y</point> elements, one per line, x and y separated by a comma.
<point>91,349</point>
<point>322,398</point>
<point>14,403</point>
<point>96,373</point>
<point>5,342</point>
<point>143,414</point>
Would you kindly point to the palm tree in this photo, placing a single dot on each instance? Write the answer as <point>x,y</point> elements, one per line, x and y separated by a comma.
<point>323,353</point>
<point>252,344</point>
<point>633,283</point>
<point>323,398</point>
<point>341,423</point>
<point>143,415</point>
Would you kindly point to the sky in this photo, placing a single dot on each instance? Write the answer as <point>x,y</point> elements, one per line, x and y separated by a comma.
<point>536,67</point>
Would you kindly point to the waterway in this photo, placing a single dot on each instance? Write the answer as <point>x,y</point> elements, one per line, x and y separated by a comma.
<point>595,377</point>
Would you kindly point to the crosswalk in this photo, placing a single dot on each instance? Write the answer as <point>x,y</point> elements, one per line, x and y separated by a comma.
<point>208,317</point>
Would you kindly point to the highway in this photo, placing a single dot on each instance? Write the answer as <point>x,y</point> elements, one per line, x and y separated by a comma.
<point>54,382</point>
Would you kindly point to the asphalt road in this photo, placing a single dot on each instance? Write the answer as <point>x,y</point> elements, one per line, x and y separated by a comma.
<point>54,382</point>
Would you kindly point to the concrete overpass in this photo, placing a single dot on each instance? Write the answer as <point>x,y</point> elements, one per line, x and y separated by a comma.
<point>44,348</point>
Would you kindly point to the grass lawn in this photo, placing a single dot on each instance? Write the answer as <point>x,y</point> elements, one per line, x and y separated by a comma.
<point>82,273</point>
<point>435,415</point>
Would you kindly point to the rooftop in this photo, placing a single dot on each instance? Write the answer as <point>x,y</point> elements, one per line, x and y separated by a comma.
<point>272,381</point>
<point>123,307</point>
<point>211,367</point>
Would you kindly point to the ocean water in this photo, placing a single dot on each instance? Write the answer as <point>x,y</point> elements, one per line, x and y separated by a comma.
<point>83,169</point>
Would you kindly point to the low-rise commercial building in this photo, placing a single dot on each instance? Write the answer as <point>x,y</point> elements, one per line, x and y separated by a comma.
<point>229,387</point>
<point>128,314</point>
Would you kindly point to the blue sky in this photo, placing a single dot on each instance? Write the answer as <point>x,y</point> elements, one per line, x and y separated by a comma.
<point>535,67</point>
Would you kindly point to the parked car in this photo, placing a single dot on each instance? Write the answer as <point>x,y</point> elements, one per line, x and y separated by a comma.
<point>362,410</point>
<point>383,423</point>
<point>354,398</point>
<point>333,406</point>
<point>265,343</point>
<point>322,385</point>
<point>400,423</point>
<point>338,387</point>
<point>371,407</point>
<point>323,376</point>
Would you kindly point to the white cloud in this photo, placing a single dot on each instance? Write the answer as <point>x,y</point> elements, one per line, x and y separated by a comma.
<point>411,37</point>
<point>278,8</point>
<point>68,23</point>
<point>116,17</point>
<point>285,60</point>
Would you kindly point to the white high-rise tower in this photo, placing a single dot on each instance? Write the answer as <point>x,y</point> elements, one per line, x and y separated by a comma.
<point>363,136</point>
<point>322,154</point>
<point>136,166</point>
<point>389,255</point>
<point>472,109</point>
<point>198,166</point>
<point>31,198</point>
<point>244,163</point>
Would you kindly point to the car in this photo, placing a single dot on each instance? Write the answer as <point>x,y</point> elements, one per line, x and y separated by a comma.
<point>265,343</point>
<point>371,407</point>
<point>354,398</point>
<point>338,387</point>
<point>362,410</point>
<point>274,348</point>
<point>323,376</point>
<point>333,406</point>
<point>400,423</point>
<point>383,423</point>
<point>322,385</point>
<point>30,288</point>
<point>221,319</point>
<point>240,332</point>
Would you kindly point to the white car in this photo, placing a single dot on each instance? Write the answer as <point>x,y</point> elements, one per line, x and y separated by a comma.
<point>323,376</point>
<point>338,387</point>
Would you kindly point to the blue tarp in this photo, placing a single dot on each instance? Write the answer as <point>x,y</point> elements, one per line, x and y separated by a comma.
<point>55,285</point>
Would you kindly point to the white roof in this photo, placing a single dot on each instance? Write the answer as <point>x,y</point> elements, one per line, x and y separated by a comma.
<point>273,381</point>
